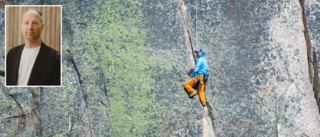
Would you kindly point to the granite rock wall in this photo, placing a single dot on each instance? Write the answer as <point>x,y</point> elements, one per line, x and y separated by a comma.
<point>125,62</point>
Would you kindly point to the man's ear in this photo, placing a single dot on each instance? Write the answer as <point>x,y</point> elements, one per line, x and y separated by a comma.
<point>42,26</point>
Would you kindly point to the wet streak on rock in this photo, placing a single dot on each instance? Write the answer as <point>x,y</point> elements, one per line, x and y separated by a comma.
<point>102,73</point>
<point>86,117</point>
<point>312,59</point>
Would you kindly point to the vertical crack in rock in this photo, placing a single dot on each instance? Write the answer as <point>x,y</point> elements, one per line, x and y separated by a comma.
<point>185,19</point>
<point>312,60</point>
<point>102,73</point>
<point>86,114</point>
<point>208,129</point>
<point>304,18</point>
<point>20,115</point>
<point>35,111</point>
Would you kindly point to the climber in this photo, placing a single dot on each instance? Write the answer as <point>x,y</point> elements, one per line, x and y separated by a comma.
<point>200,74</point>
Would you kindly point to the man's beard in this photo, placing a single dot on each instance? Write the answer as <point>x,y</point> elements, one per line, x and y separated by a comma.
<point>32,37</point>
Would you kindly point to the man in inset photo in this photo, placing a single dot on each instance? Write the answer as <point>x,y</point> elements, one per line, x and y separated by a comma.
<point>33,63</point>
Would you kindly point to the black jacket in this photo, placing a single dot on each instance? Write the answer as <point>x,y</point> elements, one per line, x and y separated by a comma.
<point>45,71</point>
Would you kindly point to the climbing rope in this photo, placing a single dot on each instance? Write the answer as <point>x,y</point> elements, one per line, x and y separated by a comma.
<point>214,132</point>
<point>196,22</point>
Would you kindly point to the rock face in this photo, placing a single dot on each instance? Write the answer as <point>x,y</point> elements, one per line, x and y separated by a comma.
<point>125,63</point>
<point>313,31</point>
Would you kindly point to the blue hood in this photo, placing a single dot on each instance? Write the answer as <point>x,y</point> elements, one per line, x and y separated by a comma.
<point>201,65</point>
<point>202,54</point>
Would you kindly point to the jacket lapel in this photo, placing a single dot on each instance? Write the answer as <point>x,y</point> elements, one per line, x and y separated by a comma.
<point>38,64</point>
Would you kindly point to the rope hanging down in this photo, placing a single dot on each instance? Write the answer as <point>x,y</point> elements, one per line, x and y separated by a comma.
<point>210,115</point>
<point>196,22</point>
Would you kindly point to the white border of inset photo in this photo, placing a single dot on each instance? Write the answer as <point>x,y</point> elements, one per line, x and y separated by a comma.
<point>52,20</point>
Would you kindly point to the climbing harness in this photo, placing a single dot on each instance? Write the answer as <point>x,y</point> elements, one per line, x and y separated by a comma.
<point>205,77</point>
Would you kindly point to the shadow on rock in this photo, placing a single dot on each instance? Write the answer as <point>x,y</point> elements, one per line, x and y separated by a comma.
<point>190,72</point>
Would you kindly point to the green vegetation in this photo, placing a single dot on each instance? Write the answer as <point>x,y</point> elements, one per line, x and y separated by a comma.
<point>113,46</point>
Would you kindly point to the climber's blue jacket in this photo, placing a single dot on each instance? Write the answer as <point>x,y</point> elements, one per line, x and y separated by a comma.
<point>201,65</point>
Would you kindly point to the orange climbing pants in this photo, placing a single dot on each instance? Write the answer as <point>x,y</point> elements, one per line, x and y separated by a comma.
<point>188,85</point>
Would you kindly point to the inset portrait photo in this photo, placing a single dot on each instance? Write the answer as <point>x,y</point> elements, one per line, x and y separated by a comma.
<point>33,45</point>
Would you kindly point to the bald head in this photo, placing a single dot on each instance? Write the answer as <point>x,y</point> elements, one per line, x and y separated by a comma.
<point>38,14</point>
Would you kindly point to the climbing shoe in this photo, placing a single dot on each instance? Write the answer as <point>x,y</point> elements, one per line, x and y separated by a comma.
<point>193,93</point>
<point>204,104</point>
